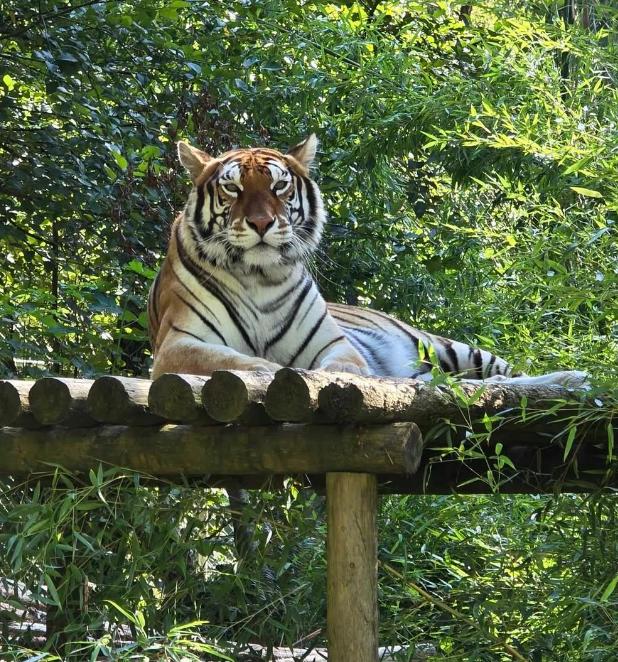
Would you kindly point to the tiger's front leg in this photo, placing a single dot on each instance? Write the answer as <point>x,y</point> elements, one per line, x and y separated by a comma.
<point>192,357</point>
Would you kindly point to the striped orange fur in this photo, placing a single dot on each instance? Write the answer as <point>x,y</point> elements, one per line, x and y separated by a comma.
<point>234,291</point>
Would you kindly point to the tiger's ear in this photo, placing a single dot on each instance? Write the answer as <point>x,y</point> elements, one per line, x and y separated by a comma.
<point>304,152</point>
<point>193,159</point>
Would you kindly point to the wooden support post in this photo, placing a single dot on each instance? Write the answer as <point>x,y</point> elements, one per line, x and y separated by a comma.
<point>352,567</point>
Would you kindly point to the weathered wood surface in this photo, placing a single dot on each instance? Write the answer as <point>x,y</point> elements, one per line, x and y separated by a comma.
<point>121,401</point>
<point>61,401</point>
<point>352,567</point>
<point>177,450</point>
<point>293,394</point>
<point>385,399</point>
<point>178,399</point>
<point>14,403</point>
<point>229,395</point>
<point>261,398</point>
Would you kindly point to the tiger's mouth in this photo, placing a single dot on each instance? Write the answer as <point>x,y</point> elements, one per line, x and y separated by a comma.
<point>262,255</point>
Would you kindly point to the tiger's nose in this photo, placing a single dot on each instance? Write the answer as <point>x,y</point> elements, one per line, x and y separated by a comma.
<point>261,224</point>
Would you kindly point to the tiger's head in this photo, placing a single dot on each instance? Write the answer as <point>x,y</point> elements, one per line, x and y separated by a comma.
<point>253,208</point>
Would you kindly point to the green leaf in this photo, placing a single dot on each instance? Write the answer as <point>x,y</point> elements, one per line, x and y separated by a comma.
<point>609,589</point>
<point>53,591</point>
<point>569,441</point>
<point>130,617</point>
<point>588,192</point>
<point>141,269</point>
<point>9,82</point>
<point>120,160</point>
<point>578,165</point>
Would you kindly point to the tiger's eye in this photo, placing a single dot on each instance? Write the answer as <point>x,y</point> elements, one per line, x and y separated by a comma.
<point>230,188</point>
<point>280,185</point>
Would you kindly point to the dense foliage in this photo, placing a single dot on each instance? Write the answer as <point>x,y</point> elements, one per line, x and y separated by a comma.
<point>469,167</point>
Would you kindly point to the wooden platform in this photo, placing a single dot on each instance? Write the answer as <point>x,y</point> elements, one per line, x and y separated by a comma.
<point>353,436</point>
<point>260,427</point>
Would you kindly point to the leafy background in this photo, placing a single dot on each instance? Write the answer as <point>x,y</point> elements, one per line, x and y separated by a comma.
<point>468,163</point>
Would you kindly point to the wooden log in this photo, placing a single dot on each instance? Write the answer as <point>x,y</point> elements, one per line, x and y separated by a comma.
<point>11,401</point>
<point>352,567</point>
<point>384,399</point>
<point>178,398</point>
<point>227,395</point>
<point>180,450</point>
<point>14,403</point>
<point>121,401</point>
<point>59,400</point>
<point>293,394</point>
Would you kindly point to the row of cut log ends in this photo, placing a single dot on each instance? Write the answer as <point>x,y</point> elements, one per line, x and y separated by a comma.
<point>253,399</point>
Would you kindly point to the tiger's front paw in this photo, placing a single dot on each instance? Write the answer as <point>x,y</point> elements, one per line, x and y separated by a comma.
<point>262,365</point>
<point>345,366</point>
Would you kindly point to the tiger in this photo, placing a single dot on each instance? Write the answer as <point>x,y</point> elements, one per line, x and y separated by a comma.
<point>235,291</point>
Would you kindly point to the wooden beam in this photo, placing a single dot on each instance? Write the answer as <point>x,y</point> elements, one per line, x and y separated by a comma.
<point>181,450</point>
<point>352,567</point>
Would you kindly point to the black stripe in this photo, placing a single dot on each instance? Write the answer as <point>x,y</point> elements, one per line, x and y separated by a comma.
<point>276,303</point>
<point>299,195</point>
<point>309,308</point>
<point>491,365</point>
<point>205,321</point>
<point>335,312</point>
<point>208,283</point>
<point>309,225</point>
<point>362,350</point>
<point>311,199</point>
<point>288,323</point>
<point>397,324</point>
<point>197,214</point>
<point>328,344</point>
<point>478,363</point>
<point>212,193</point>
<point>188,333</point>
<point>309,337</point>
<point>190,291</point>
<point>154,297</point>
<point>452,354</point>
<point>425,365</point>
<point>373,333</point>
<point>375,357</point>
